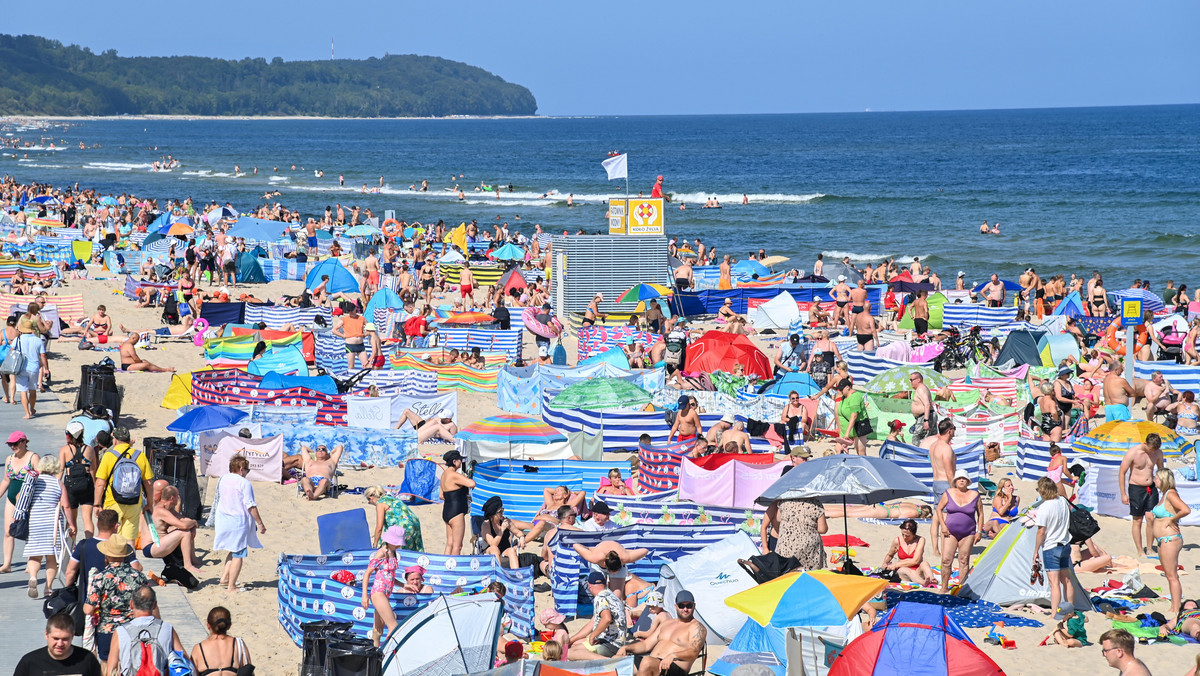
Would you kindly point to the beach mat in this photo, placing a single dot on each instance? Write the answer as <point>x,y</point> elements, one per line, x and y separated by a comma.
<point>971,614</point>
<point>343,531</point>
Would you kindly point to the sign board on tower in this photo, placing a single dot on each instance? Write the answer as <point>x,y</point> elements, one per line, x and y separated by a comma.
<point>645,217</point>
<point>616,217</point>
<point>1131,312</point>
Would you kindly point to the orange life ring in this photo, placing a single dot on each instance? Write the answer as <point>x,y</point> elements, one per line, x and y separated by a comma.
<point>392,232</point>
<point>1110,335</point>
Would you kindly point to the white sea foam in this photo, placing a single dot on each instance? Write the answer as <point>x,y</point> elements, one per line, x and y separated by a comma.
<point>735,199</point>
<point>117,166</point>
<point>275,179</point>
<point>837,256</point>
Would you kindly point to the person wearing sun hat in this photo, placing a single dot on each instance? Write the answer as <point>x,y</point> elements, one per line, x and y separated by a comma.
<point>383,564</point>
<point>112,591</point>
<point>556,627</point>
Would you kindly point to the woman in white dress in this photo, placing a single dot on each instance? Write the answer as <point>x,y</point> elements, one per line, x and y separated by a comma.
<point>235,514</point>
<point>45,537</point>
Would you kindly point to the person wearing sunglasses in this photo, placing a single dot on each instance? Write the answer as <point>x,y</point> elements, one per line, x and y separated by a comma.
<point>674,645</point>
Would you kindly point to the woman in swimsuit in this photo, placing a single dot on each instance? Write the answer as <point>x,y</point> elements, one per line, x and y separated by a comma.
<point>1050,421</point>
<point>414,581</point>
<point>1005,506</point>
<point>959,519</point>
<point>903,510</point>
<point>612,559</point>
<point>615,486</point>
<point>456,497</point>
<point>552,499</point>
<point>822,358</point>
<point>219,647</point>
<point>1098,300</point>
<point>1190,354</point>
<point>1188,412</point>
<point>1164,526</point>
<point>17,468</point>
<point>1057,469</point>
<point>726,313</point>
<point>1091,559</point>
<point>593,313</point>
<point>505,538</point>
<point>794,417</point>
<point>383,564</point>
<point>908,552</point>
<point>1187,622</point>
<point>10,339</point>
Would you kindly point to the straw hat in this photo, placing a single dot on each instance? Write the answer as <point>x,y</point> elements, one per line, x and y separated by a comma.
<point>115,547</point>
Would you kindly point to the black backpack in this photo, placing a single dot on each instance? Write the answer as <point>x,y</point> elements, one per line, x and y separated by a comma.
<point>76,478</point>
<point>1083,525</point>
<point>170,313</point>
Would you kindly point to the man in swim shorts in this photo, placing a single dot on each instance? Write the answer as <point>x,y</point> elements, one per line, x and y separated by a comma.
<point>1117,391</point>
<point>319,469</point>
<point>311,230</point>
<point>687,422</point>
<point>1141,462</point>
<point>466,286</point>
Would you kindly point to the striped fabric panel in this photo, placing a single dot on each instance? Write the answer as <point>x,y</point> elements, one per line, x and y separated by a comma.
<point>977,315</point>
<point>865,365</point>
<point>237,388</point>
<point>276,317</point>
<point>69,233</point>
<point>70,308</point>
<point>1001,331</point>
<point>485,275</point>
<point>622,428</point>
<point>666,544</point>
<point>999,387</point>
<point>596,339</point>
<point>452,376</point>
<point>37,271</point>
<point>1180,376</point>
<point>282,268</point>
<point>488,340</point>
<point>428,354</point>
<point>628,512</point>
<point>984,427</point>
<point>658,468</point>
<point>1033,458</point>
<point>915,460</point>
<point>133,285</point>
<point>520,483</point>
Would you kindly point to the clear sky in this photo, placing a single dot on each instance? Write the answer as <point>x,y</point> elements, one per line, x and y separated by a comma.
<point>696,56</point>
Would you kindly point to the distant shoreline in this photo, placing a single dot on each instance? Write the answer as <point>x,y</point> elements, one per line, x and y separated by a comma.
<point>205,118</point>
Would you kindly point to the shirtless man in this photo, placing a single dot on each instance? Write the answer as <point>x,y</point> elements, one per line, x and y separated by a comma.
<point>700,251</point>
<point>1158,394</point>
<point>943,461</point>
<point>687,422</point>
<point>864,327</point>
<point>319,470</point>
<point>684,276</point>
<point>130,361</point>
<point>716,433</point>
<point>310,230</point>
<point>922,409</point>
<point>174,532</point>
<point>994,292</point>
<point>371,281</point>
<point>466,286</point>
<point>841,295</point>
<point>819,265</point>
<point>1116,393</point>
<point>914,268</point>
<point>674,645</point>
<point>920,314</point>
<point>1141,462</point>
<point>738,436</point>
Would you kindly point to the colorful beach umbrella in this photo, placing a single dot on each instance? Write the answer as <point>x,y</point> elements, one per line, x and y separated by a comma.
<point>49,200</point>
<point>509,252</point>
<point>644,291</point>
<point>720,351</point>
<point>1118,436</point>
<point>204,418</point>
<point>45,222</point>
<point>1150,301</point>
<point>597,394</point>
<point>517,429</point>
<point>362,230</point>
<point>108,201</point>
<point>469,318</point>
<point>897,380</point>
<point>176,228</point>
<point>818,598</point>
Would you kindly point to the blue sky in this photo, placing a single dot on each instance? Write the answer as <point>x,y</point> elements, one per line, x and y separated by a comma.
<point>681,57</point>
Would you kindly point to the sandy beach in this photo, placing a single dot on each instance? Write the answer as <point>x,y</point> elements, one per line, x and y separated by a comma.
<point>290,518</point>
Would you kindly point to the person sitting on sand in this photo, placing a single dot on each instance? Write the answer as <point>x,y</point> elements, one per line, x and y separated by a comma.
<point>903,510</point>
<point>615,486</point>
<point>1090,557</point>
<point>1070,632</point>
<point>130,361</point>
<point>440,426</point>
<point>1005,506</point>
<point>505,538</point>
<point>320,468</point>
<point>100,326</point>
<point>1187,622</point>
<point>907,556</point>
<point>566,521</point>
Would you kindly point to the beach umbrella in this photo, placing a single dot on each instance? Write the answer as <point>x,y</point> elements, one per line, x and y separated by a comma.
<point>1150,301</point>
<point>772,261</point>
<point>207,418</point>
<point>720,351</point>
<point>469,318</point>
<point>258,229</point>
<point>48,200</point>
<point>220,214</point>
<point>896,379</point>
<point>835,270</point>
<point>644,291</point>
<point>363,230</point>
<point>108,201</point>
<point>817,598</point>
<point>516,429</point>
<point>598,394</point>
<point>749,268</point>
<point>509,252</point>
<point>179,228</point>
<point>1118,436</point>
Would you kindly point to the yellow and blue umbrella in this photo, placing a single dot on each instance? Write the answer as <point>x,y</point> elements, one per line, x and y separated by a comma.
<point>644,291</point>
<point>1118,436</point>
<point>818,598</point>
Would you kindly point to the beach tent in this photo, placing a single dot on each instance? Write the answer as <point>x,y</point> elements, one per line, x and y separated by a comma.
<point>904,283</point>
<point>451,635</point>
<point>936,301</point>
<point>754,644</point>
<point>831,271</point>
<point>511,279</point>
<point>179,392</point>
<point>1001,573</point>
<point>248,269</point>
<point>1021,347</point>
<point>258,229</point>
<point>384,299</point>
<point>749,268</point>
<point>286,360</point>
<point>1056,347</point>
<point>712,575</point>
<point>1071,306</point>
<point>776,314</point>
<point>341,280</point>
<point>719,351</point>
<point>797,381</point>
<point>914,639</point>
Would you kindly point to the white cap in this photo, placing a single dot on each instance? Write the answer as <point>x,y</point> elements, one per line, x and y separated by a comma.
<point>728,418</point>
<point>75,429</point>
<point>543,351</point>
<point>841,278</point>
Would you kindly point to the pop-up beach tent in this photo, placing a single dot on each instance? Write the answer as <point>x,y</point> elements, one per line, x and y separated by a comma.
<point>451,635</point>
<point>936,301</point>
<point>776,314</point>
<point>712,575</point>
<point>1071,306</point>
<point>1001,573</point>
<point>1056,347</point>
<point>249,271</point>
<point>1021,347</point>
<point>915,639</point>
<point>341,280</point>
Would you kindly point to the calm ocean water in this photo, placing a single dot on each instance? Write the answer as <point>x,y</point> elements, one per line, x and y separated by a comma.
<point>1074,189</point>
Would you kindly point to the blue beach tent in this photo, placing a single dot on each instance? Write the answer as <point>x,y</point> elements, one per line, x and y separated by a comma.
<point>341,280</point>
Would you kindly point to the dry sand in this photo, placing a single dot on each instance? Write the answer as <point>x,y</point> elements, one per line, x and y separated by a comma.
<point>290,518</point>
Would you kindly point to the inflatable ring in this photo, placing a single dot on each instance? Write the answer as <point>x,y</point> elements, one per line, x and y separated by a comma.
<point>394,231</point>
<point>200,325</point>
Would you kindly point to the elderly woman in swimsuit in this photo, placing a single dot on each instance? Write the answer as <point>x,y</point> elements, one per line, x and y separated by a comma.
<point>902,510</point>
<point>553,498</point>
<point>1005,506</point>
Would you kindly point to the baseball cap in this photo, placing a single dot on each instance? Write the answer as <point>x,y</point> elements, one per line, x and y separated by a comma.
<point>683,400</point>
<point>841,278</point>
<point>16,436</point>
<point>655,598</point>
<point>684,596</point>
<point>800,452</point>
<point>596,577</point>
<point>599,507</point>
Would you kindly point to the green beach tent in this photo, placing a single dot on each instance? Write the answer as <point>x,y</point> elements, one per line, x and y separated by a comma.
<point>936,300</point>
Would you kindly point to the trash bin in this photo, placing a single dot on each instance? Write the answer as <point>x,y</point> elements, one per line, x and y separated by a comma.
<point>176,463</point>
<point>315,644</point>
<point>353,657</point>
<point>98,385</point>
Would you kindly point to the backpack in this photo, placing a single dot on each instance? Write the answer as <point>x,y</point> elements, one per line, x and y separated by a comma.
<point>76,477</point>
<point>1082,525</point>
<point>146,656</point>
<point>170,313</point>
<point>125,483</point>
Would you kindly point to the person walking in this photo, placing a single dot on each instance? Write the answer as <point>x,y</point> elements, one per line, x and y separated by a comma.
<point>1052,548</point>
<point>125,653</point>
<point>59,656</point>
<point>111,590</point>
<point>391,511</point>
<point>17,467</point>
<point>79,462</point>
<point>234,516</point>
<point>801,524</point>
<point>384,565</point>
<point>45,536</point>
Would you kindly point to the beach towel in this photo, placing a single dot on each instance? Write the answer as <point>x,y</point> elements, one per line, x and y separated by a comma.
<point>972,614</point>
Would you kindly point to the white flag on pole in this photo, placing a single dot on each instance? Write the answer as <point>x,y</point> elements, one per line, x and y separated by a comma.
<point>617,166</point>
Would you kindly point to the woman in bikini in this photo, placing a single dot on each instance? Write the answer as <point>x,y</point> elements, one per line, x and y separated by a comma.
<point>1164,526</point>
<point>726,313</point>
<point>1188,412</point>
<point>552,499</point>
<point>220,647</point>
<point>1098,299</point>
<point>1005,506</point>
<point>1050,418</point>
<point>17,467</point>
<point>907,556</point>
<point>456,501</point>
<point>902,510</point>
<point>822,358</point>
<point>1057,469</point>
<point>793,418</point>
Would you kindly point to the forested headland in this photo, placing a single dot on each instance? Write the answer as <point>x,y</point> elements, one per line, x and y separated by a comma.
<point>44,77</point>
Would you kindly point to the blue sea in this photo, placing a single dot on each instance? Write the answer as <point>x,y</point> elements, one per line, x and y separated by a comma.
<point>1115,189</point>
